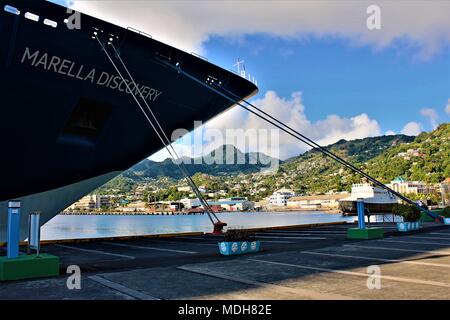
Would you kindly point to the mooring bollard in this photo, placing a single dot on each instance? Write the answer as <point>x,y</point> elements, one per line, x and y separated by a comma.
<point>13,236</point>
<point>362,232</point>
<point>360,210</point>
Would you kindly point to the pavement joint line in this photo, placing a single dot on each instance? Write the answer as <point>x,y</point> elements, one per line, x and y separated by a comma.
<point>188,243</point>
<point>301,234</point>
<point>379,259</point>
<point>122,289</point>
<point>293,238</point>
<point>148,248</point>
<point>215,244</point>
<point>429,238</point>
<point>270,286</point>
<point>443,253</point>
<point>441,233</point>
<point>96,251</point>
<point>359,274</point>
<point>304,231</point>
<point>415,242</point>
<point>193,238</point>
<point>275,241</point>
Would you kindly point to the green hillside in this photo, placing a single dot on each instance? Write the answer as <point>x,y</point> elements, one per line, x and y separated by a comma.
<point>424,158</point>
<point>314,172</point>
<point>427,158</point>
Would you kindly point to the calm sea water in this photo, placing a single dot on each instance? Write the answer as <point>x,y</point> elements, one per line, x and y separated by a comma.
<point>73,227</point>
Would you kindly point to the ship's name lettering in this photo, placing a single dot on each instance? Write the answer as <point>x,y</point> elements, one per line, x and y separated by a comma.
<point>71,69</point>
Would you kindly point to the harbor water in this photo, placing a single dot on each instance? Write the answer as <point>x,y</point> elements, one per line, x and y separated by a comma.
<point>97,226</point>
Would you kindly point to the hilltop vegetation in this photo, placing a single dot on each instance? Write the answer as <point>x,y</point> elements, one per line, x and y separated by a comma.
<point>314,172</point>
<point>424,158</point>
<point>427,158</point>
<point>220,162</point>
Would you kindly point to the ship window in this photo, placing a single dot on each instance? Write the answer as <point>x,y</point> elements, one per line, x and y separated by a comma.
<point>11,9</point>
<point>32,16</point>
<point>50,23</point>
<point>87,119</point>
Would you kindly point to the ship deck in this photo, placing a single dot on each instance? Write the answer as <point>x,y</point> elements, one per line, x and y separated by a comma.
<point>294,263</point>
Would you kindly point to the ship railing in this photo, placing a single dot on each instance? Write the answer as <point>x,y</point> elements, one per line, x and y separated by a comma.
<point>140,32</point>
<point>199,56</point>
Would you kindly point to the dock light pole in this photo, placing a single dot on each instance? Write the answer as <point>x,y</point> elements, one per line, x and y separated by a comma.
<point>360,210</point>
<point>13,235</point>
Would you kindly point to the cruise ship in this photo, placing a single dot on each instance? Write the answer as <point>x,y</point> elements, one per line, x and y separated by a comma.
<point>68,122</point>
<point>376,199</point>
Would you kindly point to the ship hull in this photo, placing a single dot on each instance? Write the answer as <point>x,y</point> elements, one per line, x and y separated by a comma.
<point>348,207</point>
<point>70,123</point>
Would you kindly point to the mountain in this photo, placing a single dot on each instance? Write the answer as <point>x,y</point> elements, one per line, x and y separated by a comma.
<point>425,157</point>
<point>225,160</point>
<point>313,172</point>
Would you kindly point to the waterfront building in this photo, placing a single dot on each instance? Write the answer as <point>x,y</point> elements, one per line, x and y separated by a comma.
<point>85,203</point>
<point>403,186</point>
<point>444,190</point>
<point>281,197</point>
<point>327,201</point>
<point>137,206</point>
<point>234,204</point>
<point>91,202</point>
<point>190,203</point>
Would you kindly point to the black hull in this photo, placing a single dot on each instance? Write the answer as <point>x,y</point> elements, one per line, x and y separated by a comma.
<point>42,103</point>
<point>349,207</point>
<point>68,123</point>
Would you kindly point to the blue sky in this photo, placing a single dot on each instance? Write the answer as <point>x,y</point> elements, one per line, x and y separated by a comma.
<point>390,85</point>
<point>318,66</point>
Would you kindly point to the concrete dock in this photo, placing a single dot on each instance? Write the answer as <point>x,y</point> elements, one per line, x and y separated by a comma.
<point>294,263</point>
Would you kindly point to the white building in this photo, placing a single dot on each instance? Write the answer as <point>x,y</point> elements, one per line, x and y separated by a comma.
<point>329,201</point>
<point>281,197</point>
<point>190,203</point>
<point>184,189</point>
<point>418,187</point>
<point>91,202</point>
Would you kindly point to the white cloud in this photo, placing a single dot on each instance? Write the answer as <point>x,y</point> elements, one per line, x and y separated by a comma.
<point>431,115</point>
<point>188,24</point>
<point>412,129</point>
<point>390,133</point>
<point>447,108</point>
<point>290,111</point>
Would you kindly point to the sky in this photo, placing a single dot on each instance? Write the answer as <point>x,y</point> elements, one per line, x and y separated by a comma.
<point>318,66</point>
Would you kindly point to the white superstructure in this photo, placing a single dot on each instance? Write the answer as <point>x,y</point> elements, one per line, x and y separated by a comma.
<point>370,194</point>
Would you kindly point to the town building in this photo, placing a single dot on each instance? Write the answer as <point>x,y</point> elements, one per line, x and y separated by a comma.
<point>137,206</point>
<point>444,190</point>
<point>281,197</point>
<point>190,203</point>
<point>234,204</point>
<point>327,201</point>
<point>91,202</point>
<point>229,204</point>
<point>184,189</point>
<point>403,186</point>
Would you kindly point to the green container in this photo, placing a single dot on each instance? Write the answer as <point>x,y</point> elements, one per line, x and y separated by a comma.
<point>367,233</point>
<point>29,266</point>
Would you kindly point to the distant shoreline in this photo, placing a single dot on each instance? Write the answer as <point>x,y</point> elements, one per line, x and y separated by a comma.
<point>169,213</point>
